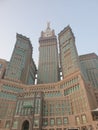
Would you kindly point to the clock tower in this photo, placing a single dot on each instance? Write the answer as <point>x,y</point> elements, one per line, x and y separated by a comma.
<point>48,67</point>
<point>48,32</point>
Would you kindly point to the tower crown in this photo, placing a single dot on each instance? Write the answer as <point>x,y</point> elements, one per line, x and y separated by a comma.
<point>48,32</point>
<point>48,26</point>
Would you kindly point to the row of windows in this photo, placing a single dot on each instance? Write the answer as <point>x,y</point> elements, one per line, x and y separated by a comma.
<point>44,88</point>
<point>21,44</point>
<point>81,119</point>
<point>12,73</point>
<point>72,89</point>
<point>63,121</point>
<point>36,124</point>
<point>57,121</point>
<point>70,82</point>
<point>66,84</point>
<point>27,107</point>
<point>53,94</point>
<point>27,103</point>
<point>15,89</point>
<point>56,108</point>
<point>8,96</point>
<point>29,95</point>
<point>47,40</point>
<point>32,94</point>
<point>74,103</point>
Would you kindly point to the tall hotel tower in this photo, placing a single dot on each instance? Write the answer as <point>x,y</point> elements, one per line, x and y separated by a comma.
<point>21,67</point>
<point>68,53</point>
<point>48,68</point>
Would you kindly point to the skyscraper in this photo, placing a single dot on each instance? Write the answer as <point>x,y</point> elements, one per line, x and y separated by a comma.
<point>68,53</point>
<point>52,104</point>
<point>19,67</point>
<point>48,67</point>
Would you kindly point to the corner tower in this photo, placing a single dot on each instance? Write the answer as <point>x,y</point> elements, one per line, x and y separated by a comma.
<point>20,66</point>
<point>68,53</point>
<point>48,68</point>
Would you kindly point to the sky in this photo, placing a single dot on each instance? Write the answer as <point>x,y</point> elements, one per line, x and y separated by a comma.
<point>30,17</point>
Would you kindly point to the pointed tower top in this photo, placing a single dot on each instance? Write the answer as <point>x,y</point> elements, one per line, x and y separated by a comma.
<point>48,25</point>
<point>48,32</point>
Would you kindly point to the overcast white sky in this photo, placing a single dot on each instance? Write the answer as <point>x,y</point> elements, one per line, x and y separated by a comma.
<point>29,18</point>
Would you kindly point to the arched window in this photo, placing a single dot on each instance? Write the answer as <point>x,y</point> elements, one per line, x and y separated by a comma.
<point>25,125</point>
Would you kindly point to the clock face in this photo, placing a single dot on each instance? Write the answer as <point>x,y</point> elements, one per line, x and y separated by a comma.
<point>48,32</point>
<point>48,35</point>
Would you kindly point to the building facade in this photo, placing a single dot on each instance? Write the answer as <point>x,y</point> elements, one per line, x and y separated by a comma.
<point>51,104</point>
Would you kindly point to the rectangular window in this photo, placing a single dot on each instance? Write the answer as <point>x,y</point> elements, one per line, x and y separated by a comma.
<point>58,121</point>
<point>7,125</point>
<point>52,122</point>
<point>84,120</point>
<point>15,125</point>
<point>65,120</point>
<point>45,122</point>
<point>77,120</point>
<point>36,122</point>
